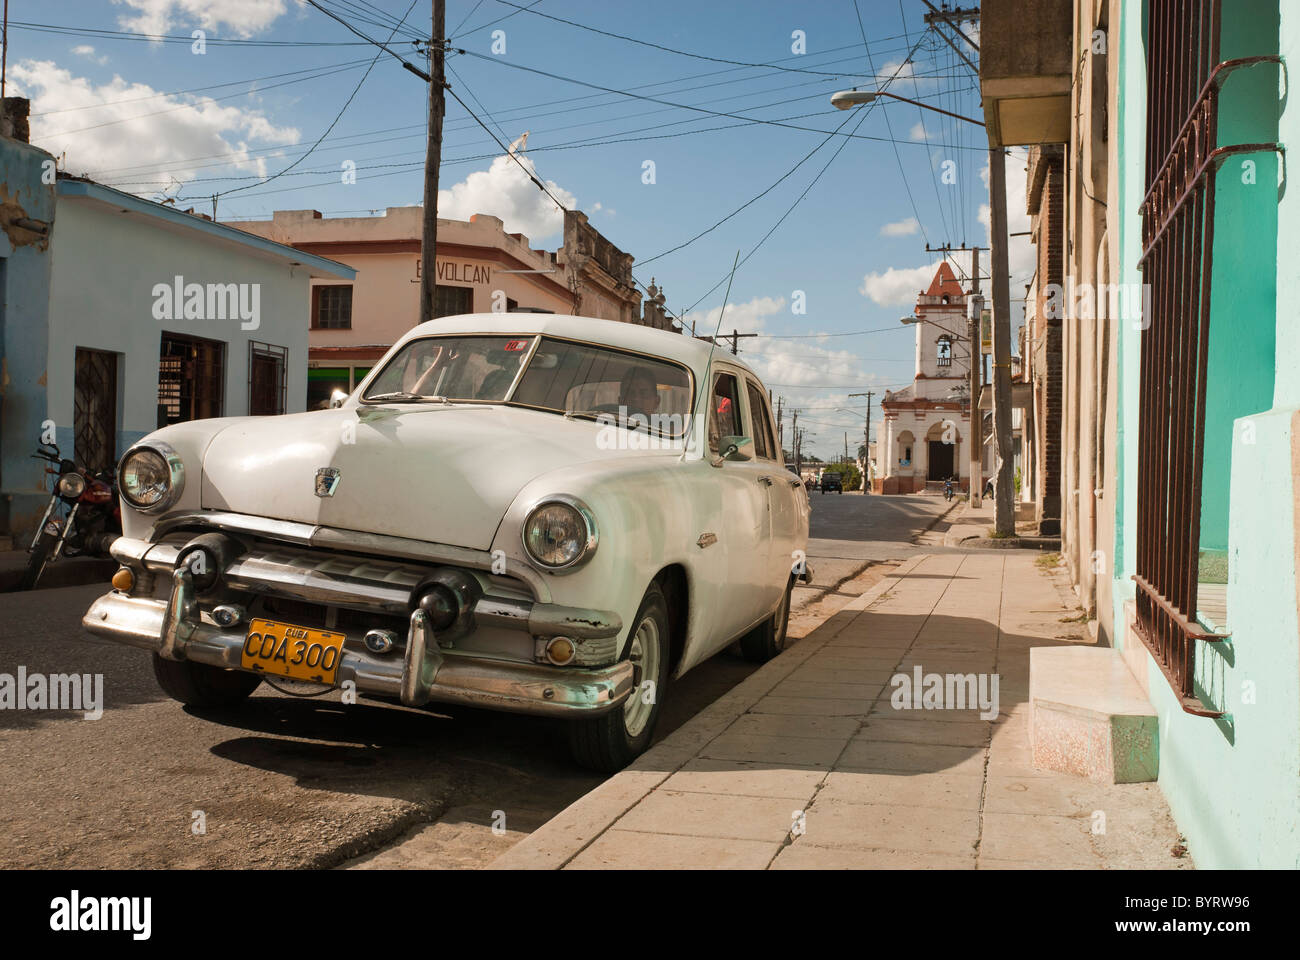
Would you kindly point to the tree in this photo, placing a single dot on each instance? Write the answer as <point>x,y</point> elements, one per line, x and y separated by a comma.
<point>850,475</point>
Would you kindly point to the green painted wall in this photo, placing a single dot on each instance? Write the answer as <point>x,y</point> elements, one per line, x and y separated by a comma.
<point>1233,785</point>
<point>1242,354</point>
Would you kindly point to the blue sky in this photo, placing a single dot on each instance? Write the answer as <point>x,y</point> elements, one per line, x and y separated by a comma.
<point>854,245</point>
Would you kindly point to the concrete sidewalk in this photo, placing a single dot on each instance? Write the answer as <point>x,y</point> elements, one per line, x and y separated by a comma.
<point>806,764</point>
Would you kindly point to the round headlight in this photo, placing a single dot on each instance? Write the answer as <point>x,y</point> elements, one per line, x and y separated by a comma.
<point>150,478</point>
<point>560,534</point>
<point>72,485</point>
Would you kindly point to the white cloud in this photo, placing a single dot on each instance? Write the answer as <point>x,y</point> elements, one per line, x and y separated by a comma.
<point>174,127</point>
<point>906,76</point>
<point>897,287</point>
<point>805,371</point>
<point>87,51</point>
<point>918,132</point>
<point>504,190</point>
<point>748,317</point>
<point>901,228</point>
<point>242,18</point>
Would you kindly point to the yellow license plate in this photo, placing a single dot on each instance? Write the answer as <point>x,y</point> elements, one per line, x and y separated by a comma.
<point>290,651</point>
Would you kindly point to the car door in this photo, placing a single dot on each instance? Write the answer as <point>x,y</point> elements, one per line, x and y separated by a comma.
<point>785,498</point>
<point>745,516</point>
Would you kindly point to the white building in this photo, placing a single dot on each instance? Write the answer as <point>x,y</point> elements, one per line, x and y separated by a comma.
<point>130,315</point>
<point>927,423</point>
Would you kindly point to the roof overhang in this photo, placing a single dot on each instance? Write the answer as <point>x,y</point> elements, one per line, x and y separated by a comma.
<point>1025,70</point>
<point>84,191</point>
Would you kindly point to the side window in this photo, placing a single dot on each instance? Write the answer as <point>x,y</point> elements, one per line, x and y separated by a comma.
<point>724,409</point>
<point>762,422</point>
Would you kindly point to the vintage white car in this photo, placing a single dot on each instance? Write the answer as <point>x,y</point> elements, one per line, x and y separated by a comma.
<point>544,514</point>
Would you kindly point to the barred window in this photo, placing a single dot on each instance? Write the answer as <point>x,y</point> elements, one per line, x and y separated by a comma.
<point>331,307</point>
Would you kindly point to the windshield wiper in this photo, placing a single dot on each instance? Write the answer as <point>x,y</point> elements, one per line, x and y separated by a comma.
<point>403,396</point>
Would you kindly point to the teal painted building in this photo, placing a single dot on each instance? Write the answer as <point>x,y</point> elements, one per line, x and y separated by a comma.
<point>1232,781</point>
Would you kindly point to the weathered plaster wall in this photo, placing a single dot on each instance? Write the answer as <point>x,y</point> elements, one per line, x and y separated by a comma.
<point>24,300</point>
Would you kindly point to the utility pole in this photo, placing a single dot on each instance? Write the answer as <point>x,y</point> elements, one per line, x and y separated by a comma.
<point>794,435</point>
<point>738,336</point>
<point>866,442</point>
<point>1004,521</point>
<point>974,334</point>
<point>780,426</point>
<point>432,160</point>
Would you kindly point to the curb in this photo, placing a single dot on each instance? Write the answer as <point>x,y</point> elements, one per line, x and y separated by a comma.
<point>569,832</point>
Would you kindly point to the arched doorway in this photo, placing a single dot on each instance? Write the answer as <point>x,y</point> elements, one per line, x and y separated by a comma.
<point>942,440</point>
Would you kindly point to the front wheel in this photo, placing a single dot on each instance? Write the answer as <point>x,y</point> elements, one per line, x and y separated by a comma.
<point>767,640</point>
<point>41,552</point>
<point>201,685</point>
<point>614,739</point>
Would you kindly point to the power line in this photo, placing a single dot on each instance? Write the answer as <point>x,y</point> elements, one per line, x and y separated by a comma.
<point>525,109</point>
<point>212,86</point>
<point>382,46</point>
<point>889,127</point>
<point>339,116</point>
<point>807,156</point>
<point>95,33</point>
<point>820,173</point>
<point>190,106</point>
<point>491,22</point>
<point>637,96</point>
<point>660,46</point>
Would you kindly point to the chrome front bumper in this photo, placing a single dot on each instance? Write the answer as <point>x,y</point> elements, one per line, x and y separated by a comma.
<point>177,629</point>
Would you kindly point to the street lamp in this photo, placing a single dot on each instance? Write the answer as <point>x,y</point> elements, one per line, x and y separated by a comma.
<point>848,99</point>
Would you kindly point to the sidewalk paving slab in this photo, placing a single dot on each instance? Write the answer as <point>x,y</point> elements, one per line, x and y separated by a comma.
<point>807,763</point>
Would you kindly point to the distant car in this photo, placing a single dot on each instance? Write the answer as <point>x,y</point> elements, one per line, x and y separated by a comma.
<point>833,481</point>
<point>636,518</point>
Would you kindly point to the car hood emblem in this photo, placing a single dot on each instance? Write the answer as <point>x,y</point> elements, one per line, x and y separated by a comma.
<point>327,481</point>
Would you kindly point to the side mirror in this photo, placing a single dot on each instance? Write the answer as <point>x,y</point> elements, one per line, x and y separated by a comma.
<point>337,399</point>
<point>733,448</point>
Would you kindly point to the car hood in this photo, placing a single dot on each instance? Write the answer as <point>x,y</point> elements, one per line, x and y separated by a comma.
<point>445,474</point>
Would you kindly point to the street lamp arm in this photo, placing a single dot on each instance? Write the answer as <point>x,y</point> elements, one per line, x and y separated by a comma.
<point>926,106</point>
<point>845,99</point>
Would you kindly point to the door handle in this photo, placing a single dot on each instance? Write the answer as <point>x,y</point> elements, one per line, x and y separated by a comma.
<point>796,483</point>
<point>765,480</point>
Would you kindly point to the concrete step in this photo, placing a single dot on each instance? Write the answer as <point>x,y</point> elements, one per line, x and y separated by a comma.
<point>1089,717</point>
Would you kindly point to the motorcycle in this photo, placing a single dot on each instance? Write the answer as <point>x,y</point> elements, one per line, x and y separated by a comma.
<point>92,522</point>
<point>947,490</point>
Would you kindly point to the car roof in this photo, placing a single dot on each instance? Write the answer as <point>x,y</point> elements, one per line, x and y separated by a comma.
<point>688,350</point>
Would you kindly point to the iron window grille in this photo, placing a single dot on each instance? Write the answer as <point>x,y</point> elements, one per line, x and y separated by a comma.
<point>191,379</point>
<point>267,366</point>
<point>1184,77</point>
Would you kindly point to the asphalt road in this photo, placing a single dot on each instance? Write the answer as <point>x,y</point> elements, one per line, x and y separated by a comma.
<point>292,782</point>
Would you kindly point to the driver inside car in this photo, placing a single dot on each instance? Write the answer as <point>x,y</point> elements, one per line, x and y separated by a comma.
<point>639,393</point>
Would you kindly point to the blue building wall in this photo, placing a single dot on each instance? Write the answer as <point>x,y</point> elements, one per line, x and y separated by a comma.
<point>27,192</point>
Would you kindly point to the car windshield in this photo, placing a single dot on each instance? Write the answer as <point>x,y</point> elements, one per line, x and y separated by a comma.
<point>584,379</point>
<point>451,368</point>
<point>564,376</point>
